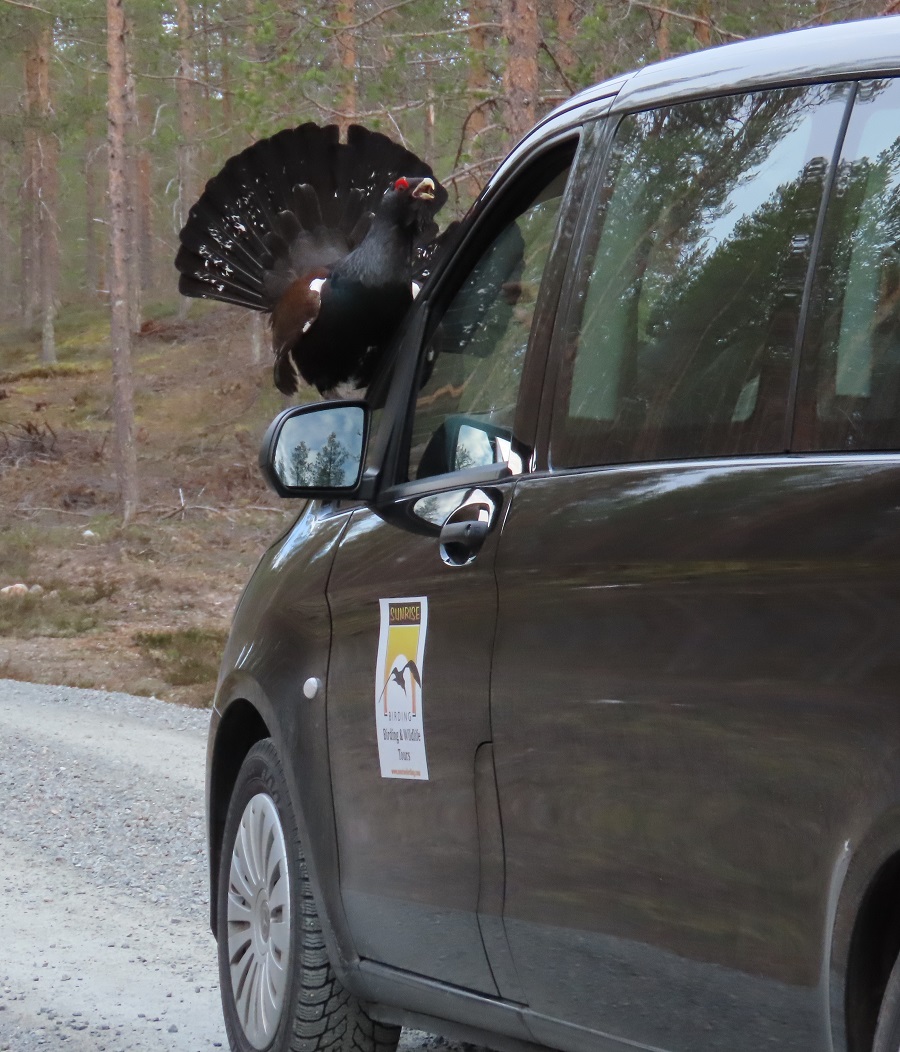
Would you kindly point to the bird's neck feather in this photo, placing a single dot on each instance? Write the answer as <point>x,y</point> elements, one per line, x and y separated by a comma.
<point>384,256</point>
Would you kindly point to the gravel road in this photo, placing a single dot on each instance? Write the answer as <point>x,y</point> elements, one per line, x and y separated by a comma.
<point>103,897</point>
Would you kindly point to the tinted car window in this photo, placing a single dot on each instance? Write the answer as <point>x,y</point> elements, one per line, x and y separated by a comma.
<point>850,385</point>
<point>684,332</point>
<point>473,360</point>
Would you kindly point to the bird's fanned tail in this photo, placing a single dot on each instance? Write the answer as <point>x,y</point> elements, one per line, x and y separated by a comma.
<point>323,235</point>
<point>296,201</point>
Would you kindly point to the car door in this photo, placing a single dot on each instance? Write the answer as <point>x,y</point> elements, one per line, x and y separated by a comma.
<point>665,880</point>
<point>414,613</point>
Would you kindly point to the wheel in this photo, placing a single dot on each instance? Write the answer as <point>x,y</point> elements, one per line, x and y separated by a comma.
<point>887,1032</point>
<point>279,991</point>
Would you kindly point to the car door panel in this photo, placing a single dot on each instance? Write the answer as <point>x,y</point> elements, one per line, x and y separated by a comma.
<point>409,848</point>
<point>421,875</point>
<point>681,763</point>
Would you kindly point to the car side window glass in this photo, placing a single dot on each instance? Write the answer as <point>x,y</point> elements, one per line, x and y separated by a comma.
<point>849,396</point>
<point>682,335</point>
<point>473,360</point>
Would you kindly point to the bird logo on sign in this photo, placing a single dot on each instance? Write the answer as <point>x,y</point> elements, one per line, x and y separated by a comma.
<point>398,675</point>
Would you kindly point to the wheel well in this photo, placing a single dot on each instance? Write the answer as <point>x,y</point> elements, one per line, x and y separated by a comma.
<point>241,728</point>
<point>874,947</point>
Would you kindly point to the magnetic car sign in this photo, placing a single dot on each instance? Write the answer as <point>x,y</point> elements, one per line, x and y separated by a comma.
<point>398,688</point>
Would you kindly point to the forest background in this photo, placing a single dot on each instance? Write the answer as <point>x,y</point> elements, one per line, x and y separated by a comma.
<point>131,509</point>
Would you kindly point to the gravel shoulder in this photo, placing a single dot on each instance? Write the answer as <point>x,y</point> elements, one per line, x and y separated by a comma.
<point>106,942</point>
<point>103,885</point>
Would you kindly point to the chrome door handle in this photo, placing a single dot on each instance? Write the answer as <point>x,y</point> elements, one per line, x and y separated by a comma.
<point>466,528</point>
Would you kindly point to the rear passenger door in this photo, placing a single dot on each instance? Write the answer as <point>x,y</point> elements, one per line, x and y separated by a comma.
<point>662,758</point>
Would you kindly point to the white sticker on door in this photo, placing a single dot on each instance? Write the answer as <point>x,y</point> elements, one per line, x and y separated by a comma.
<point>398,688</point>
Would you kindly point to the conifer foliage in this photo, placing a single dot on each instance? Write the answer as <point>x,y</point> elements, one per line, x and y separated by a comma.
<point>455,81</point>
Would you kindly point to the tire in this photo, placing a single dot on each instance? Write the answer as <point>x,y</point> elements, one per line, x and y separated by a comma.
<point>279,991</point>
<point>887,1031</point>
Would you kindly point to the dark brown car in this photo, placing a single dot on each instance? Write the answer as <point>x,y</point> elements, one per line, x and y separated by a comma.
<point>568,713</point>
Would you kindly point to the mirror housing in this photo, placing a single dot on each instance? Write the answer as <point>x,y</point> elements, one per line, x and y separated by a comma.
<point>465,442</point>
<point>316,450</point>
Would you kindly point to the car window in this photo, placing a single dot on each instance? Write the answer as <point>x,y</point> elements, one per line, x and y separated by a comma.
<point>850,381</point>
<point>473,360</point>
<point>682,335</point>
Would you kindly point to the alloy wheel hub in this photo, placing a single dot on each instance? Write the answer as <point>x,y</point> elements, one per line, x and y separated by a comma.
<point>259,920</point>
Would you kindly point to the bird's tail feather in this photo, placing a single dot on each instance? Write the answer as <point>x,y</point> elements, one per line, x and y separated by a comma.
<point>287,204</point>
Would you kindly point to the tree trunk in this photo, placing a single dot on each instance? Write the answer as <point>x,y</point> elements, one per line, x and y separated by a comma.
<point>477,79</point>
<point>428,122</point>
<point>138,247</point>
<point>30,240</point>
<point>257,336</point>
<point>565,35</point>
<point>662,36</point>
<point>702,29</point>
<point>7,277</point>
<point>120,331</point>
<point>92,255</point>
<point>226,66</point>
<point>186,152</point>
<point>520,78</point>
<point>47,192</point>
<point>346,41</point>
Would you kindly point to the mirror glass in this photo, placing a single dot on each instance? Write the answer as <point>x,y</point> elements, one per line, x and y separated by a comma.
<point>473,448</point>
<point>322,448</point>
<point>436,508</point>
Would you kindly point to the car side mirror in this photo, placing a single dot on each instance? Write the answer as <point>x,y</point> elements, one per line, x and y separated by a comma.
<point>465,442</point>
<point>316,450</point>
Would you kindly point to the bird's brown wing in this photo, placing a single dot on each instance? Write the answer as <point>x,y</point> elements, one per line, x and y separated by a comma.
<point>296,310</point>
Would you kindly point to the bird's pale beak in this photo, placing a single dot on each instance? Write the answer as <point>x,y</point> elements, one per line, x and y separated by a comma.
<point>424,191</point>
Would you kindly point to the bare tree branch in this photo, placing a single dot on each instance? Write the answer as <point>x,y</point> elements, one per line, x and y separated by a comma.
<point>695,20</point>
<point>444,32</point>
<point>366,21</point>
<point>849,6</point>
<point>462,134</point>
<point>570,87</point>
<point>468,170</point>
<point>28,7</point>
<point>382,111</point>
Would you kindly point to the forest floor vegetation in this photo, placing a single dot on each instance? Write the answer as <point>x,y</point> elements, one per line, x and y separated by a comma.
<point>142,608</point>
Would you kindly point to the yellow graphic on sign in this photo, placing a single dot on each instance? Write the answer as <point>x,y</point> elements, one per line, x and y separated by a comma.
<point>398,687</point>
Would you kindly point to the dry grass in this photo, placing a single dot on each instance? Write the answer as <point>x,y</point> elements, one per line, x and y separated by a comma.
<point>186,658</point>
<point>142,608</point>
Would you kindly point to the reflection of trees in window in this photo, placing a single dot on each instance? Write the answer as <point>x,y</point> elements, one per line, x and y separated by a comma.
<point>854,346</point>
<point>692,163</point>
<point>479,347</point>
<point>699,271</point>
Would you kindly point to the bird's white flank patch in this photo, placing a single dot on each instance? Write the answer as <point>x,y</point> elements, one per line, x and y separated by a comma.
<point>315,287</point>
<point>416,289</point>
<point>399,692</point>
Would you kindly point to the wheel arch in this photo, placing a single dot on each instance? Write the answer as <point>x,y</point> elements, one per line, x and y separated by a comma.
<point>244,715</point>
<point>866,939</point>
<point>874,946</point>
<point>239,728</point>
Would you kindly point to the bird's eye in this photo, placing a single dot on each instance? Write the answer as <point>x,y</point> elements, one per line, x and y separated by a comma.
<point>401,184</point>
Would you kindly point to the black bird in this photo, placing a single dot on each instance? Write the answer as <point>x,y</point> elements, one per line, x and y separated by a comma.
<point>326,237</point>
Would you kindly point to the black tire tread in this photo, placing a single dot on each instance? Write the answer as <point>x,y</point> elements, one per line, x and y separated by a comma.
<point>887,1031</point>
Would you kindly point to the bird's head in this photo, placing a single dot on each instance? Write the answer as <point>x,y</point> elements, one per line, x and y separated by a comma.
<point>412,201</point>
